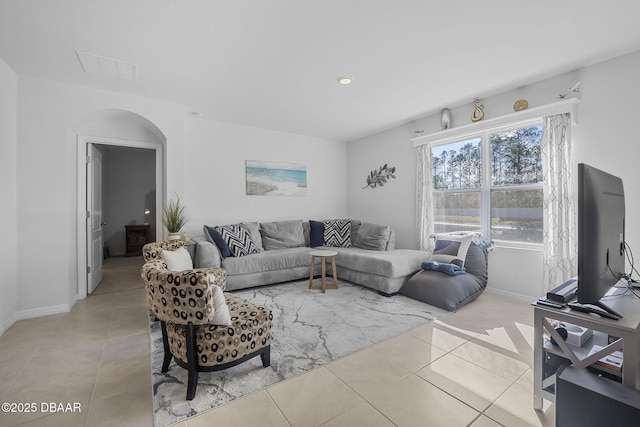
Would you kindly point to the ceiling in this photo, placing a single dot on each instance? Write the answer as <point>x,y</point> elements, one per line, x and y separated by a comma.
<point>274,63</point>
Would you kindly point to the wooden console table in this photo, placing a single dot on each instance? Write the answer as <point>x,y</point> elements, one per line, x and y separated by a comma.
<point>626,330</point>
<point>137,236</point>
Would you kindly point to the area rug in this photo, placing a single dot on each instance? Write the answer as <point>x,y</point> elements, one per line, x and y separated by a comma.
<point>310,329</point>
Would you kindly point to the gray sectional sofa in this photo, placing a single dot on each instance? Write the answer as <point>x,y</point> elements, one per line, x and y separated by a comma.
<point>280,253</point>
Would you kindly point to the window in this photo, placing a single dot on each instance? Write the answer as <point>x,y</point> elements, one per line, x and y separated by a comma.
<point>492,183</point>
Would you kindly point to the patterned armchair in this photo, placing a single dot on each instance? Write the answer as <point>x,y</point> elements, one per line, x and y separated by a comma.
<point>183,302</point>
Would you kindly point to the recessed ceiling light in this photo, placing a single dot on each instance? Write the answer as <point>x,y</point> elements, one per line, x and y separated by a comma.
<point>345,80</point>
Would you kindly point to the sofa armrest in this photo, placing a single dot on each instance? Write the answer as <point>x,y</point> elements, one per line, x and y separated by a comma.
<point>207,254</point>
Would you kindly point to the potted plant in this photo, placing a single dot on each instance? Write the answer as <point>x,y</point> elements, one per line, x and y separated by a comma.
<point>174,218</point>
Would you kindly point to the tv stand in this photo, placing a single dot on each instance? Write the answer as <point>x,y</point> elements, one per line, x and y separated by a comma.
<point>547,357</point>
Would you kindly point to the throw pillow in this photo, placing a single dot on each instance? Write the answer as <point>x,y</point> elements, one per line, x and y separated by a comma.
<point>372,236</point>
<point>451,249</point>
<point>238,239</point>
<point>337,233</point>
<point>221,314</point>
<point>282,234</point>
<point>215,237</point>
<point>316,233</point>
<point>177,260</point>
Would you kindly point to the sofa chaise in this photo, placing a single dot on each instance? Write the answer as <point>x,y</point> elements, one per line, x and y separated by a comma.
<point>274,252</point>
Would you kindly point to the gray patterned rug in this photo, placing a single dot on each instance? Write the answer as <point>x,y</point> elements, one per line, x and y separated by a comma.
<point>310,329</point>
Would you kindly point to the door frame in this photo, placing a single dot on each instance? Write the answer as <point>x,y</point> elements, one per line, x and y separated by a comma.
<point>81,218</point>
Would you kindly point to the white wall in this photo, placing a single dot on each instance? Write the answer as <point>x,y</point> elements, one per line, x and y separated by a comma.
<point>129,179</point>
<point>215,193</point>
<point>393,203</point>
<point>8,189</point>
<point>606,137</point>
<point>47,189</point>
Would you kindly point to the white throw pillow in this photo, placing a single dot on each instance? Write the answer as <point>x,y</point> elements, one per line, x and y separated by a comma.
<point>178,260</point>
<point>451,249</point>
<point>221,314</point>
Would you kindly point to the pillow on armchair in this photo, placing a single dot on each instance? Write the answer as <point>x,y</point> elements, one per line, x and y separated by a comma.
<point>178,260</point>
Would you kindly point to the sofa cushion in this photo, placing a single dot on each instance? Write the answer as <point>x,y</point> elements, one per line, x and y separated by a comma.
<point>372,236</point>
<point>451,249</point>
<point>178,260</point>
<point>268,260</point>
<point>355,226</point>
<point>396,263</point>
<point>216,238</point>
<point>316,233</point>
<point>337,233</point>
<point>282,234</point>
<point>238,239</point>
<point>254,232</point>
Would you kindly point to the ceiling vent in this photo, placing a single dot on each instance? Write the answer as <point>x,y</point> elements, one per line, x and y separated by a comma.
<point>102,66</point>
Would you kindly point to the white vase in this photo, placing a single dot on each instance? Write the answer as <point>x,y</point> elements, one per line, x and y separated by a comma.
<point>173,236</point>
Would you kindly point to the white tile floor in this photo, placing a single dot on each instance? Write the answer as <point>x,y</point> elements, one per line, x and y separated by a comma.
<point>472,368</point>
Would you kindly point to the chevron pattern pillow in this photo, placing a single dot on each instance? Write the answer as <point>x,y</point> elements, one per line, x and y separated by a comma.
<point>337,233</point>
<point>238,239</point>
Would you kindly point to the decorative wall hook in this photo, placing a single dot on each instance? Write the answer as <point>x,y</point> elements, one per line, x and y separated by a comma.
<point>478,111</point>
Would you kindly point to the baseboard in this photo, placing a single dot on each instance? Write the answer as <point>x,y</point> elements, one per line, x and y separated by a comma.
<point>43,311</point>
<point>521,297</point>
<point>8,323</point>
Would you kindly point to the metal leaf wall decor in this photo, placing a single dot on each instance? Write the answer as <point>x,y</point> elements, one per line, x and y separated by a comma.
<point>380,176</point>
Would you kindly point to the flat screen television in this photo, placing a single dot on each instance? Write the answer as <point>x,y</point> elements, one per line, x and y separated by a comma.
<point>601,244</point>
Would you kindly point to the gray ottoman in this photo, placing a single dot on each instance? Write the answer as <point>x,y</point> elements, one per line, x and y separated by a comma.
<point>450,292</point>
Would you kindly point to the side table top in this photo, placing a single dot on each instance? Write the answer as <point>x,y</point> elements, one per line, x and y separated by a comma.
<point>323,252</point>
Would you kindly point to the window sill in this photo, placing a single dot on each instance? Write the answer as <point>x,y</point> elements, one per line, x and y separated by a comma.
<point>532,247</point>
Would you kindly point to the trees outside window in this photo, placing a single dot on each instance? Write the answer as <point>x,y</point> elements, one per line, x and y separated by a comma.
<point>492,183</point>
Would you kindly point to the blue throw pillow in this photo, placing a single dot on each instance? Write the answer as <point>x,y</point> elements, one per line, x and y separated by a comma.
<point>223,247</point>
<point>316,233</point>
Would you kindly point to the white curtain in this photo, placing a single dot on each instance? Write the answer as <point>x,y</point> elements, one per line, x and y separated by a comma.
<point>424,187</point>
<point>560,220</point>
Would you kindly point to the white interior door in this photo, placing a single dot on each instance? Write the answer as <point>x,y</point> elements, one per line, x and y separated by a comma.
<point>94,220</point>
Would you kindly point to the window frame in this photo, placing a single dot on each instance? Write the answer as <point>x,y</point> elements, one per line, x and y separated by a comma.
<point>486,187</point>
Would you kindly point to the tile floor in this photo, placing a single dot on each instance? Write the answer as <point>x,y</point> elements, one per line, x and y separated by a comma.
<point>472,368</point>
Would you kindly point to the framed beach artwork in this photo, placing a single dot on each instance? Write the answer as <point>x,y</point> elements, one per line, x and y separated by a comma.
<point>276,178</point>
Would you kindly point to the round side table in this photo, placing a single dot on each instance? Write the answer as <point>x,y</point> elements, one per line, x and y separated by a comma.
<point>323,254</point>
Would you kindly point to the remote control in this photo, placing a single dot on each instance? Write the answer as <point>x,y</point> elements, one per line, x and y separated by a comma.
<point>549,303</point>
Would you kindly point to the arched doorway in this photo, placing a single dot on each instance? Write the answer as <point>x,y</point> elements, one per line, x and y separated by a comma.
<point>107,128</point>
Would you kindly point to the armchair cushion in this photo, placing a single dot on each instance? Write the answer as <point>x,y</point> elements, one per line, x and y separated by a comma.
<point>250,330</point>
